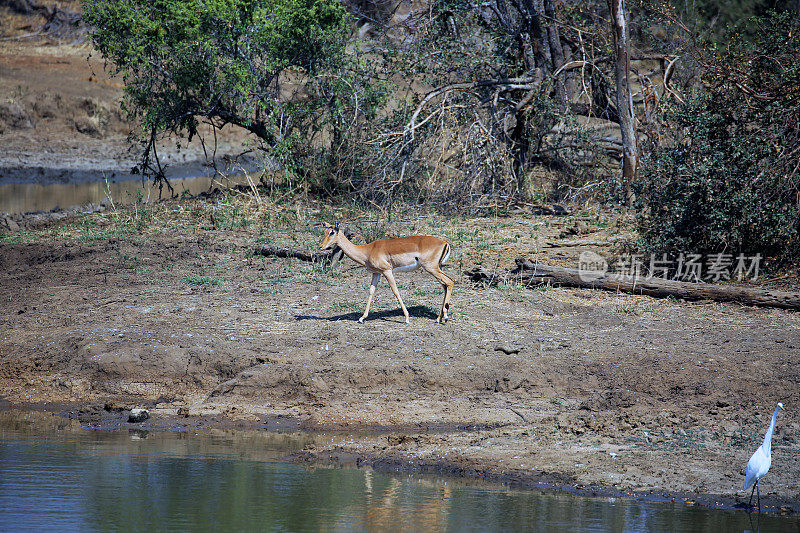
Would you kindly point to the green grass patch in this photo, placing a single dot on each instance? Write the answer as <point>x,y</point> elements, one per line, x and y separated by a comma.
<point>348,307</point>
<point>197,280</point>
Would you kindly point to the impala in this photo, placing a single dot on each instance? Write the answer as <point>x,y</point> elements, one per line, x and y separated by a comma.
<point>387,256</point>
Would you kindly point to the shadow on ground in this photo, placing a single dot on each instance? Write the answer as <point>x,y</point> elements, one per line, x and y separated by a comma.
<point>418,311</point>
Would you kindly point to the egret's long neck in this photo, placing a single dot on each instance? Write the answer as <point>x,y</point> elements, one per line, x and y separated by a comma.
<point>767,446</point>
<point>356,253</point>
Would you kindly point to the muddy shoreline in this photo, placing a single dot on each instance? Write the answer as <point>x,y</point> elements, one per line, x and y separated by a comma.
<point>584,390</point>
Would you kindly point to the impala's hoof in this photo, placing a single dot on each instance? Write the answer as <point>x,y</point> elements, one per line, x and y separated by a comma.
<point>361,320</point>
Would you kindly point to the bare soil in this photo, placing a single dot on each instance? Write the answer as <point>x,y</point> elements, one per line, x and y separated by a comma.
<point>165,307</point>
<point>60,114</point>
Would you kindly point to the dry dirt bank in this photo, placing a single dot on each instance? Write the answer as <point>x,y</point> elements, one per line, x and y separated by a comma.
<point>163,307</point>
<point>624,392</point>
<point>61,121</point>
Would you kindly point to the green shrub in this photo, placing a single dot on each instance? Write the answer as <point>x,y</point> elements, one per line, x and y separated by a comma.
<point>725,175</point>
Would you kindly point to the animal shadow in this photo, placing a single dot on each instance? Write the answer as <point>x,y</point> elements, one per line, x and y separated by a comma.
<point>416,311</point>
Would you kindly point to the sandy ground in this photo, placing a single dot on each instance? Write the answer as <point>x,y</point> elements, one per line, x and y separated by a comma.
<point>166,307</point>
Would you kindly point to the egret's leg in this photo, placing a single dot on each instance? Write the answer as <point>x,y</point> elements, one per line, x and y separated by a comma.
<point>750,503</point>
<point>375,279</point>
<point>758,492</point>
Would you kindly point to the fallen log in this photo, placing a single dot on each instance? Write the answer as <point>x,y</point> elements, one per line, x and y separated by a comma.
<point>530,273</point>
<point>574,243</point>
<point>61,23</point>
<point>317,257</point>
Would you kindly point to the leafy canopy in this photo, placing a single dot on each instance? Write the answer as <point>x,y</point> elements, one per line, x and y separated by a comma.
<point>230,61</point>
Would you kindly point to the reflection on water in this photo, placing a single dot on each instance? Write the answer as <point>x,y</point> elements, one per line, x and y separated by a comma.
<point>27,197</point>
<point>56,476</point>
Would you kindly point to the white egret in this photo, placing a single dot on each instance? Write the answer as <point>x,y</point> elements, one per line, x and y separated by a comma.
<point>759,463</point>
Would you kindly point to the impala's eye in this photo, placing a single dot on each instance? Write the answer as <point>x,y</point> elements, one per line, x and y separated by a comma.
<point>331,233</point>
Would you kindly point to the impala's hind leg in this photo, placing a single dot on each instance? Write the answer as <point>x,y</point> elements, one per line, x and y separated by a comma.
<point>448,283</point>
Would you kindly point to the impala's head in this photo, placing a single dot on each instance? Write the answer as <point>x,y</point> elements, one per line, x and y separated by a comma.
<point>332,236</point>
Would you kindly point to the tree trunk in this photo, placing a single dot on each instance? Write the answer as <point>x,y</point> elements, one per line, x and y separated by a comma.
<point>619,23</point>
<point>556,52</point>
<point>537,34</point>
<point>569,75</point>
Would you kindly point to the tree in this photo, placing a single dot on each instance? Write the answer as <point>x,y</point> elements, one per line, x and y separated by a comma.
<point>491,111</point>
<point>622,68</point>
<point>273,67</point>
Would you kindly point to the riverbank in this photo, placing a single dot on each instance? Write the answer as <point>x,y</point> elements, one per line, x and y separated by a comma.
<point>164,306</point>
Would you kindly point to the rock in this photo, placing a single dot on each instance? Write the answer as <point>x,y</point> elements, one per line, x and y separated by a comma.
<point>507,349</point>
<point>10,224</point>
<point>138,415</point>
<point>88,126</point>
<point>183,411</point>
<point>14,116</point>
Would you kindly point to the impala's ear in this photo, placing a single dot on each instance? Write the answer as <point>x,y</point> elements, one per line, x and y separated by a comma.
<point>336,226</point>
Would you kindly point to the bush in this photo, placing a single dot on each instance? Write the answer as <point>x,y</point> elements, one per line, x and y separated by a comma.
<point>725,176</point>
<point>272,67</point>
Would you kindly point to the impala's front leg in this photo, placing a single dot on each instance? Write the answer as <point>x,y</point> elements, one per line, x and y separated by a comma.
<point>375,279</point>
<point>390,278</point>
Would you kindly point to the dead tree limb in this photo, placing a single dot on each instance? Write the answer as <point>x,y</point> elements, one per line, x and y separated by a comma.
<point>668,75</point>
<point>530,273</point>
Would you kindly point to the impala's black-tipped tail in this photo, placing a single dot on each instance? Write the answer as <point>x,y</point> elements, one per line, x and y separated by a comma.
<point>445,254</point>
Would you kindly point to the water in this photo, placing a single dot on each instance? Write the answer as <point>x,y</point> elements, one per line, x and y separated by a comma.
<point>29,197</point>
<point>55,476</point>
<point>25,189</point>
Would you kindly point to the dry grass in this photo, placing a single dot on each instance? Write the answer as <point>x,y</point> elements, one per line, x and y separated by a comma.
<point>492,241</point>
